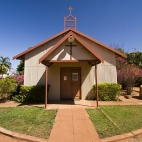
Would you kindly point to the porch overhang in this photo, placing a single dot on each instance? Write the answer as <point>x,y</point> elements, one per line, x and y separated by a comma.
<point>46,62</point>
<point>50,62</point>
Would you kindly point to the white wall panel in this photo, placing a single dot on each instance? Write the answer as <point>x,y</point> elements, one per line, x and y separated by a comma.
<point>107,74</point>
<point>79,52</point>
<point>41,75</point>
<point>35,72</point>
<point>61,53</point>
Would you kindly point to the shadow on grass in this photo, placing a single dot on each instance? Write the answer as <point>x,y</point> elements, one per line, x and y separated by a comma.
<point>75,102</point>
<point>67,102</point>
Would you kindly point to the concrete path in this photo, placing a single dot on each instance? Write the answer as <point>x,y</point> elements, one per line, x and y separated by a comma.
<point>5,138</point>
<point>73,125</point>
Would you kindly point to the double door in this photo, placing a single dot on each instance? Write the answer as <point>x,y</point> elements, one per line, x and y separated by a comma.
<point>70,83</point>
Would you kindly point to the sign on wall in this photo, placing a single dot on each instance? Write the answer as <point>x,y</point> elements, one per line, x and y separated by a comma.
<point>74,76</point>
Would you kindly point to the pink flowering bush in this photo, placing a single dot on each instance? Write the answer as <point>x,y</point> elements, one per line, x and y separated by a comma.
<point>19,78</point>
<point>127,74</point>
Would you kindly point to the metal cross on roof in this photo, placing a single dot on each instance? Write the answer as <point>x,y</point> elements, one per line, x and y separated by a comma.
<point>70,9</point>
<point>70,21</point>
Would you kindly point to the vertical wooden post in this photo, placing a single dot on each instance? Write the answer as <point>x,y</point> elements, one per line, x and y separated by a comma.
<point>96,79</point>
<point>75,23</point>
<point>64,23</point>
<point>46,87</point>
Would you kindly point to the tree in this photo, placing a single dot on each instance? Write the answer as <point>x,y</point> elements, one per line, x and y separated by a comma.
<point>20,67</point>
<point>5,65</point>
<point>135,58</point>
<point>118,47</point>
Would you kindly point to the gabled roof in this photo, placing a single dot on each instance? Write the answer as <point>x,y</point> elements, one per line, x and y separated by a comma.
<point>21,55</point>
<point>78,39</point>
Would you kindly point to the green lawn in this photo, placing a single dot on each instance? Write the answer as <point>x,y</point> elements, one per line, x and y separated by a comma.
<point>114,120</point>
<point>32,121</point>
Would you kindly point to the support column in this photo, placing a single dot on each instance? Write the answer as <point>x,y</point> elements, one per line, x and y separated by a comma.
<point>96,80</point>
<point>140,92</point>
<point>46,87</point>
<point>70,50</point>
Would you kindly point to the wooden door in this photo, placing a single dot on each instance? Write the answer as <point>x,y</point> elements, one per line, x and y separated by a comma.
<point>70,83</point>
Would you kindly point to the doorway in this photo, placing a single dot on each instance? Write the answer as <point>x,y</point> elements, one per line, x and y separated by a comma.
<point>70,83</point>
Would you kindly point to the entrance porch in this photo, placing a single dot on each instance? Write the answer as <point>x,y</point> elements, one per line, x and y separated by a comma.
<point>73,80</point>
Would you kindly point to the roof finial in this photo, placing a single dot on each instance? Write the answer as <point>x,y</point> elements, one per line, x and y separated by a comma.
<point>70,21</point>
<point>70,9</point>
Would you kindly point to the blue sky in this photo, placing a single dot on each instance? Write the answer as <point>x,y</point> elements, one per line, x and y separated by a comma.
<point>25,23</point>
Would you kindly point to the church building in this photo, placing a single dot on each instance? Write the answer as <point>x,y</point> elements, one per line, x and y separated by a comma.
<point>71,62</point>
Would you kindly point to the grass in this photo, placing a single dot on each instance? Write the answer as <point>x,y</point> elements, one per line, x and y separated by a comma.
<point>32,121</point>
<point>115,120</point>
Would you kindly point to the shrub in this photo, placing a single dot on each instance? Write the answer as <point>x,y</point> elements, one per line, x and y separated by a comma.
<point>7,85</point>
<point>19,79</point>
<point>31,94</point>
<point>108,91</point>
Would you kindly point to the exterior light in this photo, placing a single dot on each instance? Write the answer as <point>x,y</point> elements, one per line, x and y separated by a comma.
<point>71,39</point>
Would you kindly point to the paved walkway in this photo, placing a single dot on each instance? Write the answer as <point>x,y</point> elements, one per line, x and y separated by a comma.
<point>5,138</point>
<point>73,125</point>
